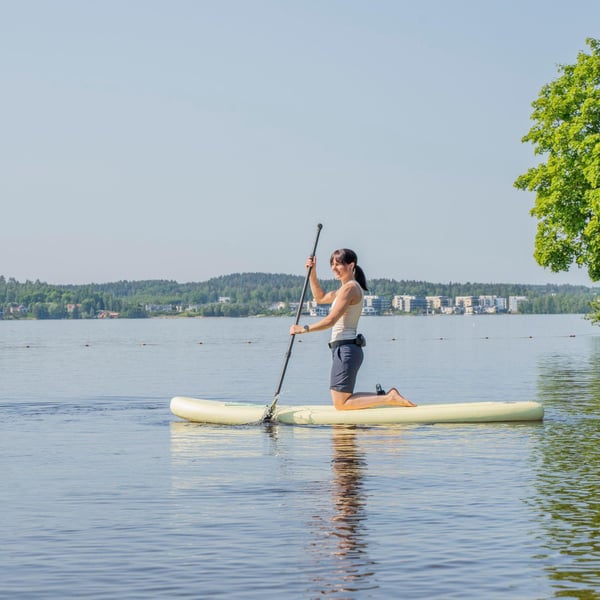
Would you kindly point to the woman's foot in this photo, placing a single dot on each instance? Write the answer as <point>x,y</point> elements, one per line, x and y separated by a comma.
<point>398,399</point>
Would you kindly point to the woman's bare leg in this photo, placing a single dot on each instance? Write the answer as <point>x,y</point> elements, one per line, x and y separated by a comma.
<point>347,401</point>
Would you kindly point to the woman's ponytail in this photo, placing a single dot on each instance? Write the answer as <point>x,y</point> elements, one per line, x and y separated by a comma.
<point>359,275</point>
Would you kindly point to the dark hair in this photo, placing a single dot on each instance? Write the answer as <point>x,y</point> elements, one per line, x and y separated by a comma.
<point>347,256</point>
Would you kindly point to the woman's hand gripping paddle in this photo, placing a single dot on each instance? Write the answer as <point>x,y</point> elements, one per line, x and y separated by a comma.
<point>271,409</point>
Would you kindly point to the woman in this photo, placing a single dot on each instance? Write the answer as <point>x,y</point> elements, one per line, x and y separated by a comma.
<point>347,353</point>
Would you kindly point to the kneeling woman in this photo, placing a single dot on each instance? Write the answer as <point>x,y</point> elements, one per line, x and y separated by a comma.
<point>346,308</point>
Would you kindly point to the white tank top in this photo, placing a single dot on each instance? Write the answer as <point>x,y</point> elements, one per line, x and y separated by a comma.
<point>346,326</point>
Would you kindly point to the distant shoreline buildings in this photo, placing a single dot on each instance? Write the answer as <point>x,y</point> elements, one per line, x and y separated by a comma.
<point>429,305</point>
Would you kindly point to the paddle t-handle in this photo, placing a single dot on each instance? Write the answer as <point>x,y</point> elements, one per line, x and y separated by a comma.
<point>271,409</point>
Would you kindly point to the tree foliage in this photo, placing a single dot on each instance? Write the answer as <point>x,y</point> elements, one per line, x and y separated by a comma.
<point>566,132</point>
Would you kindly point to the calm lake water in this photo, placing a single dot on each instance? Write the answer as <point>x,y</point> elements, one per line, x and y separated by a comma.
<point>105,494</point>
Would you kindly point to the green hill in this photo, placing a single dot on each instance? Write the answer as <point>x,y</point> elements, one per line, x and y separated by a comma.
<point>243,294</point>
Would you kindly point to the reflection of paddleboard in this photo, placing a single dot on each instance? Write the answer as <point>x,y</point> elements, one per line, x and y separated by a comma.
<point>238,413</point>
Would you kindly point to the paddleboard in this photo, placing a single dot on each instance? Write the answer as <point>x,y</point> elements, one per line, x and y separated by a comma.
<point>240,413</point>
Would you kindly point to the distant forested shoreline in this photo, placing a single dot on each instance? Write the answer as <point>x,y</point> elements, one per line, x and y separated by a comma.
<point>249,294</point>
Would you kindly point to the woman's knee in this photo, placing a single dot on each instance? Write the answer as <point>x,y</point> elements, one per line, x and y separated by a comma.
<point>339,398</point>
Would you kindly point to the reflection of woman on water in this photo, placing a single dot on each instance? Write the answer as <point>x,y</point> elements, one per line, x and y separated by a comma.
<point>341,544</point>
<point>348,496</point>
<point>347,353</point>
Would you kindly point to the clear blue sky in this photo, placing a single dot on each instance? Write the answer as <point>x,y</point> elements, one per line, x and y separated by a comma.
<point>189,139</point>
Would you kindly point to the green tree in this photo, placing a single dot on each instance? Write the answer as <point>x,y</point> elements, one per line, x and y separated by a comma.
<point>57,310</point>
<point>134,312</point>
<point>595,314</point>
<point>566,133</point>
<point>40,311</point>
<point>88,307</point>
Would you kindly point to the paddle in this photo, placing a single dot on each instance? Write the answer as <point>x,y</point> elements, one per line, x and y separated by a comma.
<point>271,408</point>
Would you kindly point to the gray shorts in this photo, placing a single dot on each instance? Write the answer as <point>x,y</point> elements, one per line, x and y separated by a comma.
<point>346,361</point>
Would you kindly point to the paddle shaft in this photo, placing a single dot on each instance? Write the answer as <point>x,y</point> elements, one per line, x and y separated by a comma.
<point>288,354</point>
